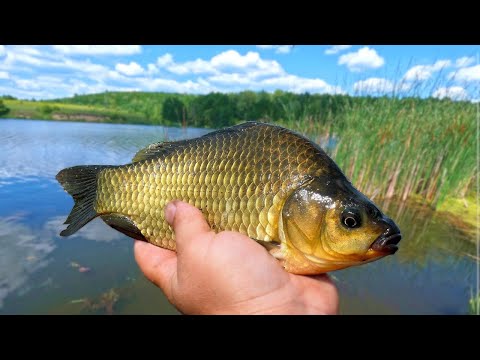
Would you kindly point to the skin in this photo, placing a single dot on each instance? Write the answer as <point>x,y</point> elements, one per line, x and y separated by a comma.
<point>227,272</point>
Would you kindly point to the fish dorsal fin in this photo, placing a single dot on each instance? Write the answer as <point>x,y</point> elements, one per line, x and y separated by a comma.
<point>157,149</point>
<point>163,148</point>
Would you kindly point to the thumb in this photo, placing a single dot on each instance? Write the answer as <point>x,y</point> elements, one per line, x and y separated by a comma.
<point>187,222</point>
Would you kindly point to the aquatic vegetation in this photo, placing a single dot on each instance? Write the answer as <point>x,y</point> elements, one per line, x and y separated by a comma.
<point>104,303</point>
<point>403,148</point>
<point>474,305</point>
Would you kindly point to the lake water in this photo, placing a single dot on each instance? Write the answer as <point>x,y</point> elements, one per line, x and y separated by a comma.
<point>94,271</point>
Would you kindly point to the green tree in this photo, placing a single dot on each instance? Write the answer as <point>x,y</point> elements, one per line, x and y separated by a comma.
<point>263,108</point>
<point>213,110</point>
<point>173,109</point>
<point>3,109</point>
<point>246,105</point>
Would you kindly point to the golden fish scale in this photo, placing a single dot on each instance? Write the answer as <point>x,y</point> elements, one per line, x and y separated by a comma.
<point>239,180</point>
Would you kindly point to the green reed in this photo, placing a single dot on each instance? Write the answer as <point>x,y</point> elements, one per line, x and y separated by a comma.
<point>474,305</point>
<point>402,148</point>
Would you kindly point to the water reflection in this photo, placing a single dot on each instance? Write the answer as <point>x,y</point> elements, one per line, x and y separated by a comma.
<point>428,234</point>
<point>96,230</point>
<point>37,149</point>
<point>22,252</point>
<point>431,273</point>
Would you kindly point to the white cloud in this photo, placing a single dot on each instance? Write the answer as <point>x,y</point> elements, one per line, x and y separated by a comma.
<point>28,84</point>
<point>19,259</point>
<point>198,66</point>
<point>250,65</point>
<point>363,59</point>
<point>335,49</point>
<point>279,49</point>
<point>299,84</point>
<point>27,49</point>
<point>424,72</point>
<point>2,50</point>
<point>227,71</point>
<point>165,60</point>
<point>47,61</point>
<point>131,69</point>
<point>379,86</point>
<point>293,83</point>
<point>464,61</point>
<point>373,85</point>
<point>4,75</point>
<point>233,79</point>
<point>200,86</point>
<point>49,87</point>
<point>284,49</point>
<point>232,58</point>
<point>95,230</point>
<point>152,69</point>
<point>99,49</point>
<point>250,62</point>
<point>467,74</point>
<point>453,92</point>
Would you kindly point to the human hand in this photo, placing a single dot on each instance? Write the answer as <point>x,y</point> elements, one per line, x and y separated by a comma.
<point>227,273</point>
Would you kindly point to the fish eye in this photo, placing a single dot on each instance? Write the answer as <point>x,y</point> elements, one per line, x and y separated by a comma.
<point>351,218</point>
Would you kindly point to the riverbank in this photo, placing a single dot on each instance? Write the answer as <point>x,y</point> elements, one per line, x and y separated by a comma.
<point>56,111</point>
<point>464,211</point>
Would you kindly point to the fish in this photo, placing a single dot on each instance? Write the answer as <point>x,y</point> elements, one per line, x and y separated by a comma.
<point>265,181</point>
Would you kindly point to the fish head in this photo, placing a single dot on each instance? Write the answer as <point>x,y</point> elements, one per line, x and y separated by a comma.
<point>326,224</point>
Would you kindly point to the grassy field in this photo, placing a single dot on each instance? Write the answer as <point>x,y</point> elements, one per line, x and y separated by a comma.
<point>24,109</point>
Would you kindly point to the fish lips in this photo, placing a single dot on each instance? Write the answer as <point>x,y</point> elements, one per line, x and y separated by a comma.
<point>387,244</point>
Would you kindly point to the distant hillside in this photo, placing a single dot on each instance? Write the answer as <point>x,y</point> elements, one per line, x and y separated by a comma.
<point>214,109</point>
<point>51,110</point>
<point>217,109</point>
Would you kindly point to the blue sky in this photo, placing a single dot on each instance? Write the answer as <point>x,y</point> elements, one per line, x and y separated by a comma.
<point>53,71</point>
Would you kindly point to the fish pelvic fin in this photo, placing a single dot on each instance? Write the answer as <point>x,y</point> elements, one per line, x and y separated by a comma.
<point>81,183</point>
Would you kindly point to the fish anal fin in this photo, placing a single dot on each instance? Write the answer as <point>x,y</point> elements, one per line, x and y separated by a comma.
<point>123,224</point>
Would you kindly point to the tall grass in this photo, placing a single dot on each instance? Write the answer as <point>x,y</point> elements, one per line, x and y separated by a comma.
<point>402,148</point>
<point>474,305</point>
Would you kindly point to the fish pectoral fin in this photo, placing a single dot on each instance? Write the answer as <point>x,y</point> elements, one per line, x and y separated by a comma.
<point>123,224</point>
<point>272,247</point>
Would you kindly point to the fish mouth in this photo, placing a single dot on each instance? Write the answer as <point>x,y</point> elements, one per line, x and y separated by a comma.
<point>386,245</point>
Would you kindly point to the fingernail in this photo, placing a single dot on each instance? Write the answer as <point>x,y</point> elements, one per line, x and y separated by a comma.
<point>170,211</point>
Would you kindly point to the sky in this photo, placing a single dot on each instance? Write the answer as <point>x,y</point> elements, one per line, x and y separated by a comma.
<point>56,71</point>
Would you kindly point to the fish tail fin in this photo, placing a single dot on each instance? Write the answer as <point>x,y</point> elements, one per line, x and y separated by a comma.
<point>81,183</point>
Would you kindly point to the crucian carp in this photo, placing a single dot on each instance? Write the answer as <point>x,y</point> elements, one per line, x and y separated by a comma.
<point>265,181</point>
